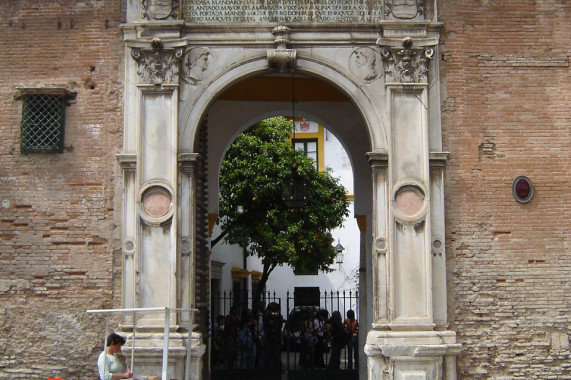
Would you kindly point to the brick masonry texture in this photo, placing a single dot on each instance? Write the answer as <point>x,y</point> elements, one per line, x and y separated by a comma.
<point>506,99</point>
<point>57,229</point>
<point>506,89</point>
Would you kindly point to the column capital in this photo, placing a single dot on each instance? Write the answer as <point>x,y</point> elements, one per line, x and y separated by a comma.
<point>438,159</point>
<point>407,63</point>
<point>127,161</point>
<point>158,65</point>
<point>378,159</point>
<point>187,161</point>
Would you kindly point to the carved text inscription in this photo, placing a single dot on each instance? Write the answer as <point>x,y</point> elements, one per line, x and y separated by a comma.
<point>240,11</point>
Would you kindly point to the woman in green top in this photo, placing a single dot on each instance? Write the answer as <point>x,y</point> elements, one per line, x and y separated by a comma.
<point>110,367</point>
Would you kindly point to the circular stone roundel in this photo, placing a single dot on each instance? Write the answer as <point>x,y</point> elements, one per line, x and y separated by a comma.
<point>522,189</point>
<point>409,200</point>
<point>156,201</point>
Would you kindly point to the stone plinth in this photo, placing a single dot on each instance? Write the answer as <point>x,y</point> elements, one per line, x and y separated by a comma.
<point>411,355</point>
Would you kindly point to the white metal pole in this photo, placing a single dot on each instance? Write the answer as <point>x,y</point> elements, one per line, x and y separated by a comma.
<point>133,343</point>
<point>105,349</point>
<point>188,347</point>
<point>166,344</point>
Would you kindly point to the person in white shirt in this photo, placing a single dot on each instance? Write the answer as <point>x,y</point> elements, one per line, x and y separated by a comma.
<point>110,367</point>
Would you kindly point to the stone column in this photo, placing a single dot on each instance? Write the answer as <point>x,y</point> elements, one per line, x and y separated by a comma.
<point>403,343</point>
<point>187,254</point>
<point>380,264</point>
<point>158,261</point>
<point>156,194</point>
<point>128,164</point>
<point>439,298</point>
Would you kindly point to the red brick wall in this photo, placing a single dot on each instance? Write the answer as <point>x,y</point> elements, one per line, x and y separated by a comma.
<point>506,88</point>
<point>57,227</point>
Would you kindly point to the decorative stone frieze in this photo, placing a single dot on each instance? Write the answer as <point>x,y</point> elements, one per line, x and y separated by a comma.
<point>158,66</point>
<point>160,9</point>
<point>281,59</point>
<point>406,64</point>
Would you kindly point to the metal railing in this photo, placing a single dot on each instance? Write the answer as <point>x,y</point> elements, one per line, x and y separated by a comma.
<point>292,308</point>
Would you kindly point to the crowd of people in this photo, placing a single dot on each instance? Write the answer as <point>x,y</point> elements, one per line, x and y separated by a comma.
<point>255,340</point>
<point>247,334</point>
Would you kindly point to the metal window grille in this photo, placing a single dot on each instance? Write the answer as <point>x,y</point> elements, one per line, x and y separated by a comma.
<point>43,121</point>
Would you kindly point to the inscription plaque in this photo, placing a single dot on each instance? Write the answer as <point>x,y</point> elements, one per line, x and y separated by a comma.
<point>254,11</point>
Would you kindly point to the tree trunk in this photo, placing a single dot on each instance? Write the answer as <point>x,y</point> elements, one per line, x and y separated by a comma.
<point>257,293</point>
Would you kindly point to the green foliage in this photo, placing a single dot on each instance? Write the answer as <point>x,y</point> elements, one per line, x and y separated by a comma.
<point>252,210</point>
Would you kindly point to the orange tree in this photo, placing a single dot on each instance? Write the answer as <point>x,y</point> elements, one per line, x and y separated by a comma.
<point>253,215</point>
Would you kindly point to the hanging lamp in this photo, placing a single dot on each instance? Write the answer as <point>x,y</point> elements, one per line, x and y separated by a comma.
<point>294,187</point>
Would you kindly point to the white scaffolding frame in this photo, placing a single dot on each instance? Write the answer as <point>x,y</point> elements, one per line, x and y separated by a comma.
<point>167,311</point>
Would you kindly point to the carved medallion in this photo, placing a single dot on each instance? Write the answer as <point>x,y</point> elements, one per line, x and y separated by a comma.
<point>409,200</point>
<point>195,64</point>
<point>406,65</point>
<point>364,64</point>
<point>156,201</point>
<point>155,204</point>
<point>159,9</point>
<point>404,9</point>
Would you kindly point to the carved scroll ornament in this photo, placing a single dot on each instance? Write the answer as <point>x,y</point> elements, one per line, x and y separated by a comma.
<point>157,66</point>
<point>406,64</point>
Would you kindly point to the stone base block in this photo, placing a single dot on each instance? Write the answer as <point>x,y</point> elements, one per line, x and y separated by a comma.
<point>411,355</point>
<point>148,355</point>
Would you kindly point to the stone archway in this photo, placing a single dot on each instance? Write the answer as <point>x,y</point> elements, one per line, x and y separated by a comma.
<point>176,72</point>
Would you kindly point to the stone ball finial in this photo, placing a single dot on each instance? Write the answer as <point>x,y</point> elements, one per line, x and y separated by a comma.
<point>157,44</point>
<point>407,42</point>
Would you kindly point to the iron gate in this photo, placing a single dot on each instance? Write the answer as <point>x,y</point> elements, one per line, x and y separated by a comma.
<point>299,358</point>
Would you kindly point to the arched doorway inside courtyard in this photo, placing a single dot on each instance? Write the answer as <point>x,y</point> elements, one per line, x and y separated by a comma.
<point>242,104</point>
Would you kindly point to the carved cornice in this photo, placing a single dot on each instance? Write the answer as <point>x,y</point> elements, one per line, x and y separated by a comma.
<point>406,64</point>
<point>157,66</point>
<point>281,58</point>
